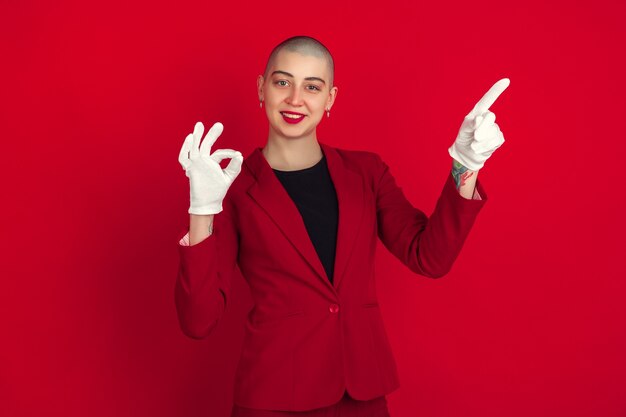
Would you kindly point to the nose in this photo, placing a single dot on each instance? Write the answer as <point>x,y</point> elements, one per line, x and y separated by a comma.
<point>295,97</point>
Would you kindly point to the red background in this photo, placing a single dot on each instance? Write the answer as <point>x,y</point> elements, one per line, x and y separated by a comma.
<point>98,98</point>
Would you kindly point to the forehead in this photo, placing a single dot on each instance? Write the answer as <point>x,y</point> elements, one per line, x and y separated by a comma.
<point>300,65</point>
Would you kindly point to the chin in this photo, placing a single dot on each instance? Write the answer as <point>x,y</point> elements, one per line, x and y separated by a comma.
<point>289,130</point>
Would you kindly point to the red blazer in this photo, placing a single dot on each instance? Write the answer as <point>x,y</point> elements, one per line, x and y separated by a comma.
<point>307,340</point>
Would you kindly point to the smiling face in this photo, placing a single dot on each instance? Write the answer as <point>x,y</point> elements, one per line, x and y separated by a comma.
<point>297,84</point>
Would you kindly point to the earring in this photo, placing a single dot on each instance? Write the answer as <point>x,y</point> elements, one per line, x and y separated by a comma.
<point>327,112</point>
<point>261,104</point>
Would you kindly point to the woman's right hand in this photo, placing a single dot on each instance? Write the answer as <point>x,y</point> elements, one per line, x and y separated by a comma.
<point>208,182</point>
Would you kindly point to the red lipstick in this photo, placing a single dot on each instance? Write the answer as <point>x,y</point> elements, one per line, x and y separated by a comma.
<point>293,119</point>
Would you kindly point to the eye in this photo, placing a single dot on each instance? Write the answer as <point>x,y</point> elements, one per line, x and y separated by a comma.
<point>315,87</point>
<point>281,81</point>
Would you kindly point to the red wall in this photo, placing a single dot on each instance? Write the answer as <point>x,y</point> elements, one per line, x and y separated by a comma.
<point>97,100</point>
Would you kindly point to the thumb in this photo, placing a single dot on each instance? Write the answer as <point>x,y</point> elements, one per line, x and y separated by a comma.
<point>234,166</point>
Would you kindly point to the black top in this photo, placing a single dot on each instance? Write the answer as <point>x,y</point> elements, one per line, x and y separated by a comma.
<point>313,192</point>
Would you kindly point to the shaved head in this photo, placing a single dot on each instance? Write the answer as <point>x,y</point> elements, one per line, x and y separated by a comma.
<point>304,45</point>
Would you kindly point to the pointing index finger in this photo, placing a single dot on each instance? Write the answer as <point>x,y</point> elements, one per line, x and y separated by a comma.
<point>490,97</point>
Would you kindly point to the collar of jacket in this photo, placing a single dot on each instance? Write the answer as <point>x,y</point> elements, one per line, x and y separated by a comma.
<point>270,194</point>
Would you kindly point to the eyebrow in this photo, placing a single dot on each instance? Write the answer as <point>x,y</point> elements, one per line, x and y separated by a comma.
<point>307,78</point>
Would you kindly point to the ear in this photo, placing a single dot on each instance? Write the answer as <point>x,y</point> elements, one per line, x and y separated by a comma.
<point>259,86</point>
<point>332,95</point>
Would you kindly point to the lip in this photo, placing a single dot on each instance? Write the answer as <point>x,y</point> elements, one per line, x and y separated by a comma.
<point>292,121</point>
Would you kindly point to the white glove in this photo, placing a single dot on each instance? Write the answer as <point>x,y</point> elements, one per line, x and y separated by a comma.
<point>479,135</point>
<point>208,182</point>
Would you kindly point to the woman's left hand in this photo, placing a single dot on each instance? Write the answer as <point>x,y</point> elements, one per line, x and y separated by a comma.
<point>479,135</point>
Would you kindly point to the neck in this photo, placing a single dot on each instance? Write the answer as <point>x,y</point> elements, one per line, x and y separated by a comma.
<point>290,154</point>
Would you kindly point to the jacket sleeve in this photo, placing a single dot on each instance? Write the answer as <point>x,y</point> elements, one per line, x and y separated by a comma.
<point>204,276</point>
<point>427,246</point>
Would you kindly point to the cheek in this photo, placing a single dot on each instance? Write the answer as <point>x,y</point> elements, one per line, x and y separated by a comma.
<point>272,105</point>
<point>322,102</point>
<point>275,100</point>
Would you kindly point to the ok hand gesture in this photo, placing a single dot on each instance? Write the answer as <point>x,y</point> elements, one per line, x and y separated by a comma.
<point>479,135</point>
<point>208,182</point>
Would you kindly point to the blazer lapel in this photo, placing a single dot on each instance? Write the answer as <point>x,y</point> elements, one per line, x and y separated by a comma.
<point>349,188</point>
<point>270,194</point>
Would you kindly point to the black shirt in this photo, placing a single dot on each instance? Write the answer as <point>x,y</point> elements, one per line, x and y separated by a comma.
<point>313,192</point>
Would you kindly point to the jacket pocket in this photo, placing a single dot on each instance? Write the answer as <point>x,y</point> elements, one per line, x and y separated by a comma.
<point>369,305</point>
<point>277,318</point>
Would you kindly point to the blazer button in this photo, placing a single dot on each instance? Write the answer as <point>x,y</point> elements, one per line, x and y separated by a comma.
<point>333,308</point>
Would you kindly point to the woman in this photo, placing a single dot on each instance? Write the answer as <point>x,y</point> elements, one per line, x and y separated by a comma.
<point>301,219</point>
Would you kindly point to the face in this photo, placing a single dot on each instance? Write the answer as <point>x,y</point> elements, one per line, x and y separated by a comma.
<point>298,84</point>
